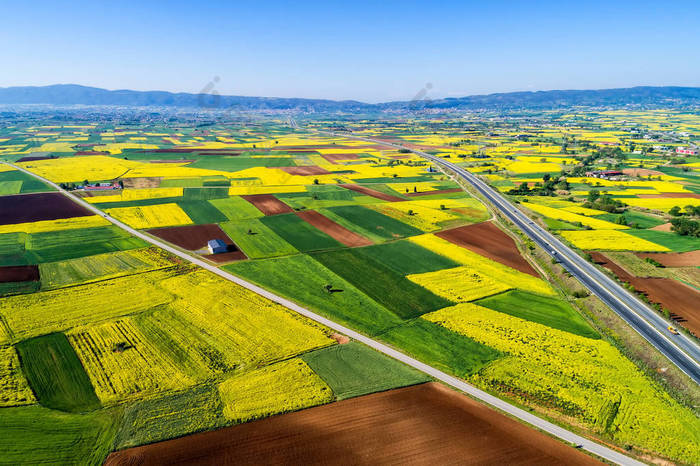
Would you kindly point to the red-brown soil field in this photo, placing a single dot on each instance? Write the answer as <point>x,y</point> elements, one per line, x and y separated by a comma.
<point>424,424</point>
<point>192,237</point>
<point>673,295</point>
<point>674,259</point>
<point>226,256</point>
<point>332,229</point>
<point>268,204</point>
<point>19,273</point>
<point>488,240</point>
<point>304,170</point>
<point>335,158</point>
<point>34,158</point>
<point>22,208</point>
<point>438,191</point>
<point>371,192</point>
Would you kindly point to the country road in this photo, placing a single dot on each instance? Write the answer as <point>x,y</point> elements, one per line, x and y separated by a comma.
<point>525,416</point>
<point>681,350</point>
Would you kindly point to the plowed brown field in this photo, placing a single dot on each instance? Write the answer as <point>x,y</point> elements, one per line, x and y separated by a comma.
<point>19,273</point>
<point>305,170</point>
<point>332,229</point>
<point>268,204</point>
<point>488,240</point>
<point>674,259</point>
<point>22,208</point>
<point>424,424</point>
<point>673,295</point>
<point>192,237</point>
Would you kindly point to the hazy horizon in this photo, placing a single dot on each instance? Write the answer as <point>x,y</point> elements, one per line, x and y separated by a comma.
<point>366,52</point>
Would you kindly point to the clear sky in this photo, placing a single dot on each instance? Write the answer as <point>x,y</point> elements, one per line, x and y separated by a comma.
<point>370,51</point>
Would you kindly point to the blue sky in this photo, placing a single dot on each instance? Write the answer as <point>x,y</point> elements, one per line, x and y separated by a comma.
<point>371,51</point>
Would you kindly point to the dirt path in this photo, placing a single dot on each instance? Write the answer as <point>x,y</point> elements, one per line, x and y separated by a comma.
<point>371,192</point>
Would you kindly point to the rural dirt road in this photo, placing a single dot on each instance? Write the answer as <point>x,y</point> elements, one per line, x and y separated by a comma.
<point>525,416</point>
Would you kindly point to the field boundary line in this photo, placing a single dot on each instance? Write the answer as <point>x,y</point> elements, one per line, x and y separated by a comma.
<point>491,400</point>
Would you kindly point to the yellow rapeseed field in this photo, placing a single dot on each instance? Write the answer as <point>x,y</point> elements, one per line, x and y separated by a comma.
<point>459,284</point>
<point>560,214</point>
<point>610,240</point>
<point>220,326</point>
<point>151,216</point>
<point>287,386</point>
<point>78,169</point>
<point>122,363</point>
<point>56,310</point>
<point>482,266</point>
<point>586,379</point>
<point>659,203</point>
<point>14,389</point>
<point>137,195</point>
<point>73,223</point>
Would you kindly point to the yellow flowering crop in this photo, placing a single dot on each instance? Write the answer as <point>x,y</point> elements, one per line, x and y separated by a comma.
<point>14,389</point>
<point>585,378</point>
<point>480,266</point>
<point>89,221</point>
<point>560,214</point>
<point>610,240</point>
<point>137,195</point>
<point>151,216</point>
<point>77,169</point>
<point>122,363</point>
<point>661,203</point>
<point>287,386</point>
<point>459,284</point>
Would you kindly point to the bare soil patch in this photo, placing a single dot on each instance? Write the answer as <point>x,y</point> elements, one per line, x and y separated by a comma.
<point>22,208</point>
<point>424,424</point>
<point>671,294</point>
<point>662,227</point>
<point>333,229</point>
<point>19,273</point>
<point>142,182</point>
<point>438,191</point>
<point>193,237</point>
<point>304,170</point>
<point>335,158</point>
<point>341,339</point>
<point>268,204</point>
<point>488,240</point>
<point>371,192</point>
<point>674,259</point>
<point>226,256</point>
<point>640,172</point>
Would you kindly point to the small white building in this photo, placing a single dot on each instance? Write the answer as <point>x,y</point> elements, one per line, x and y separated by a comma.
<point>216,246</point>
<point>686,150</point>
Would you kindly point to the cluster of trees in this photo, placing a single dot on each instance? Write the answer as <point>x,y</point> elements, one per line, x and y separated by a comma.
<point>690,210</point>
<point>602,201</point>
<point>547,188</point>
<point>685,226</point>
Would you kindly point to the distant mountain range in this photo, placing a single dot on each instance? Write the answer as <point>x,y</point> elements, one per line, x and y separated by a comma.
<point>72,94</point>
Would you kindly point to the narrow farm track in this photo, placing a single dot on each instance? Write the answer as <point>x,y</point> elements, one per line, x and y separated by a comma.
<point>525,416</point>
<point>680,349</point>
